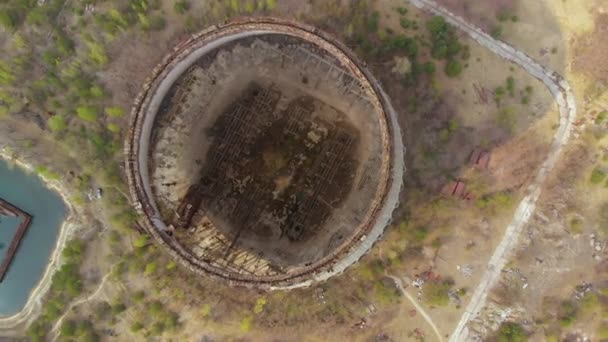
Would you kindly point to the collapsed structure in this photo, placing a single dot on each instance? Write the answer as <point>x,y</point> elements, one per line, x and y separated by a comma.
<point>8,209</point>
<point>263,153</point>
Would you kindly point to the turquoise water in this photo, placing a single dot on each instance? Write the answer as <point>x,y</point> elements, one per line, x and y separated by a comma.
<point>27,192</point>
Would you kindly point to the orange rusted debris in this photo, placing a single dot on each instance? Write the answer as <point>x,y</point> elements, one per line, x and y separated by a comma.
<point>457,189</point>
<point>480,158</point>
<point>7,209</point>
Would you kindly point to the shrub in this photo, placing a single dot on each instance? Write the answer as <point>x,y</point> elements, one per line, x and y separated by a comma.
<point>205,310</point>
<point>597,176</point>
<point>114,128</point>
<point>141,241</point>
<point>506,119</point>
<point>157,23</point>
<point>68,328</point>
<point>171,321</point>
<point>567,313</point>
<point>576,225</point>
<point>87,113</point>
<point>259,305</point>
<point>453,68</point>
<point>385,294</point>
<point>435,293</point>
<point>67,279</point>
<point>118,307</point>
<point>503,15</point>
<point>602,332</point>
<point>9,18</point>
<point>601,117</point>
<point>511,332</point>
<point>56,123</point>
<point>373,21</point>
<point>151,268</point>
<point>64,44</point>
<point>156,308</point>
<point>511,86</point>
<point>590,303</point>
<point>246,324</point>
<point>139,296</point>
<point>496,32</point>
<point>270,4</point>
<point>137,326</point>
<point>181,6</point>
<point>157,328</point>
<point>102,310</point>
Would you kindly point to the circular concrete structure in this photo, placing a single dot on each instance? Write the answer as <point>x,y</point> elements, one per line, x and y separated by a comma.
<point>263,152</point>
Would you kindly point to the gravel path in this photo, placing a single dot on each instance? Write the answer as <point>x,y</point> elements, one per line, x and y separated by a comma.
<point>419,308</point>
<point>567,108</point>
<point>88,298</point>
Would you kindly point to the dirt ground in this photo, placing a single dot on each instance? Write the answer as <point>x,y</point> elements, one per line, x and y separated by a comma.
<point>465,234</point>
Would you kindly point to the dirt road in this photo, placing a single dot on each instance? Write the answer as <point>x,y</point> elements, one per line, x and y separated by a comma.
<point>86,299</point>
<point>567,108</point>
<point>419,308</point>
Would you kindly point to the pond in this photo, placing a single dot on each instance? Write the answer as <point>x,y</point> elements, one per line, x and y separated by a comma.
<point>27,192</point>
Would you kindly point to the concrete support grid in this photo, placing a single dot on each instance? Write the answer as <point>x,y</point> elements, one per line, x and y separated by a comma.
<point>142,120</point>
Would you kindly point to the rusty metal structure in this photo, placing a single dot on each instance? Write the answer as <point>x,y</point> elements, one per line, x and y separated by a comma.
<point>8,209</point>
<point>358,81</point>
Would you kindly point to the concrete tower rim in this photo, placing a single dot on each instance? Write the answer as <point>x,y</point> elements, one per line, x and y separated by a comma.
<point>137,149</point>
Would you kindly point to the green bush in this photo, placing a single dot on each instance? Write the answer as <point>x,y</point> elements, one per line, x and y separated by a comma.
<point>435,293</point>
<point>7,74</point>
<point>496,32</point>
<point>157,23</point>
<point>270,4</point>
<point>157,328</point>
<point>181,6</point>
<point>137,326</point>
<point>503,15</point>
<point>151,268</point>
<point>139,296</point>
<point>373,22</point>
<point>495,201</point>
<point>453,68</point>
<point>67,279</point>
<point>171,321</point>
<point>597,176</point>
<point>385,294</point>
<point>87,113</point>
<point>68,328</point>
<point>576,225</point>
<point>511,86</point>
<point>57,123</point>
<point>512,332</point>
<point>156,308</point>
<point>118,307</point>
<point>9,18</point>
<point>567,313</point>
<point>114,128</point>
<point>259,305</point>
<point>601,117</point>
<point>246,324</point>
<point>602,332</point>
<point>506,119</point>
<point>141,241</point>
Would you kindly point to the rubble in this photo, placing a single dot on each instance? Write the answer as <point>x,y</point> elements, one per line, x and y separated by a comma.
<point>466,270</point>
